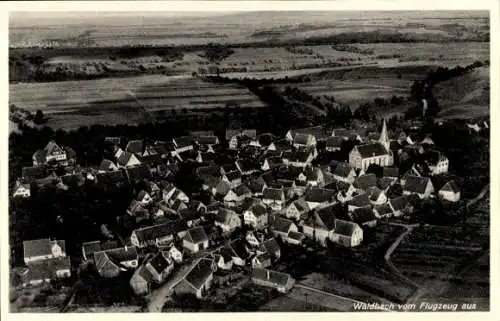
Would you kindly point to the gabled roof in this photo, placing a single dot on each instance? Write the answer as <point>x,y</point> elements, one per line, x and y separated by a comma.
<point>135,146</point>
<point>274,277</point>
<point>273,194</point>
<point>122,254</point>
<point>386,182</point>
<point>139,172</point>
<point>451,186</point>
<point>257,185</point>
<point>200,133</point>
<point>280,224</point>
<point>383,209</point>
<point>301,205</point>
<point>41,247</point>
<point>183,141</point>
<point>110,177</point>
<point>241,190</point>
<point>363,215</point>
<point>258,209</point>
<point>399,203</point>
<point>297,156</point>
<point>327,217</point>
<point>296,236</point>
<point>319,195</point>
<point>342,170</point>
<point>301,139</point>
<point>124,158</point>
<point>106,164</point>
<point>151,233</point>
<point>345,228</point>
<point>360,200</point>
<point>246,165</point>
<point>390,172</point>
<point>416,184</point>
<point>199,274</point>
<point>72,180</point>
<point>364,182</point>
<point>334,142</point>
<point>33,173</point>
<point>271,246</point>
<point>371,150</point>
<point>196,235</point>
<point>234,175</point>
<point>207,140</point>
<point>239,248</point>
<point>151,160</point>
<point>224,215</point>
<point>266,139</point>
<point>160,263</point>
<point>113,140</point>
<point>317,131</point>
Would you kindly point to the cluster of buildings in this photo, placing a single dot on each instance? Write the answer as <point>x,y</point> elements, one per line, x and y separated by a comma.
<point>264,192</point>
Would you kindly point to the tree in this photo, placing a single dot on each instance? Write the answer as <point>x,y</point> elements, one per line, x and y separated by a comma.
<point>39,117</point>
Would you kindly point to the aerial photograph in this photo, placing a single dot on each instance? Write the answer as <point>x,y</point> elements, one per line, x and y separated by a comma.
<point>241,161</point>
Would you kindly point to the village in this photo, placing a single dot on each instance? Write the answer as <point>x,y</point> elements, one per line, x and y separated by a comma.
<point>257,195</point>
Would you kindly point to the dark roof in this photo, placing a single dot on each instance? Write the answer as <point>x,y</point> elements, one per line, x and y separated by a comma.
<point>385,182</point>
<point>319,195</point>
<point>241,190</point>
<point>301,139</point>
<point>121,254</point>
<point>271,276</point>
<point>297,156</point>
<point>363,215</point>
<point>334,141</point>
<point>234,175</point>
<point>317,131</point>
<point>360,200</point>
<point>257,185</point>
<point>366,181</point>
<point>200,133</point>
<point>113,140</point>
<point>139,172</point>
<point>151,160</point>
<point>183,141</point>
<point>247,164</point>
<point>224,215</point>
<point>327,216</point>
<point>160,231</point>
<point>200,273</point>
<point>33,173</point>
<point>301,205</point>
<point>159,262</point>
<point>89,248</point>
<point>416,184</point>
<point>383,209</point>
<point>344,228</point>
<point>371,150</point>
<point>279,224</point>
<point>124,158</point>
<point>296,236</point>
<point>207,140</point>
<point>273,194</point>
<point>105,165</point>
<point>258,210</point>
<point>189,214</point>
<point>110,177</point>
<point>72,180</point>
<point>343,170</point>
<point>143,273</point>
<point>451,186</point>
<point>41,247</point>
<point>390,172</point>
<point>240,249</point>
<point>196,235</point>
<point>399,203</point>
<point>271,246</point>
<point>135,146</point>
<point>266,139</point>
<point>230,167</point>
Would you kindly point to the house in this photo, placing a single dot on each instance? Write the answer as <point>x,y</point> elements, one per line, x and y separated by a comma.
<point>175,254</point>
<point>320,225</point>
<point>137,210</point>
<point>234,135</point>
<point>317,132</point>
<point>237,195</point>
<point>89,248</point>
<point>271,162</point>
<point>347,234</point>
<point>334,144</point>
<point>135,146</point>
<point>422,186</point>
<point>257,186</point>
<point>399,205</point>
<point>183,144</point>
<point>198,280</point>
<point>224,260</point>
<point>107,166</point>
<point>247,166</point>
<point>227,220</point>
<point>160,267</point>
<point>391,172</point>
<point>256,216</point>
<point>158,234</point>
<point>239,252</point>
<point>261,260</point>
<point>44,271</point>
<point>376,195</point>
<point>280,227</point>
<point>362,156</point>
<point>232,178</point>
<point>31,174</point>
<point>365,217</point>
<point>52,153</point>
<point>319,197</point>
<point>274,198</point>
<point>71,181</point>
<point>141,281</point>
<point>314,176</point>
<point>43,249</point>
<point>346,134</point>
<point>281,281</point>
<point>384,183</point>
<point>359,201</point>
<point>450,192</point>
<point>172,194</point>
<point>228,168</point>
<point>271,247</point>
<point>110,263</point>
<point>299,158</point>
<point>437,162</point>
<point>110,180</point>
<point>304,140</point>
<point>195,240</point>
<point>191,216</point>
<point>344,172</point>
<point>297,209</point>
<point>365,182</point>
<point>383,211</point>
<point>127,160</point>
<point>207,141</point>
<point>21,190</point>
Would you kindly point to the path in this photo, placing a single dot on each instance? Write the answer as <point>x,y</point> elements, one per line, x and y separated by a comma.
<point>302,286</point>
<point>373,85</point>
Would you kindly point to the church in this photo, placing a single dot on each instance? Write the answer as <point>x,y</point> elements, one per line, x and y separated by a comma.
<point>379,153</point>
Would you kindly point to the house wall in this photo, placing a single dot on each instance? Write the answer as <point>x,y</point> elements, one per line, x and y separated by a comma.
<point>133,161</point>
<point>22,192</point>
<point>190,246</point>
<point>450,196</point>
<point>66,273</point>
<point>139,285</point>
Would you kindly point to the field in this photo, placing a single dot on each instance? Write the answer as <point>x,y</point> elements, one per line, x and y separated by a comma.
<point>120,100</point>
<point>295,301</point>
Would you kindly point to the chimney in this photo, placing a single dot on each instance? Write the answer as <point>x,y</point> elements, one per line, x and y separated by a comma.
<point>268,275</point>
<point>424,106</point>
<point>126,248</point>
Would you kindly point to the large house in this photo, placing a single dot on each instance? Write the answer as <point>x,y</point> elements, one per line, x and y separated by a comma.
<point>110,263</point>
<point>43,249</point>
<point>379,153</point>
<point>158,234</point>
<point>52,153</point>
<point>347,234</point>
<point>198,280</point>
<point>281,281</point>
<point>227,220</point>
<point>421,186</point>
<point>195,240</point>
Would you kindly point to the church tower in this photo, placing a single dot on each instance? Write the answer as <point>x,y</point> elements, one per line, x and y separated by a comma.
<point>384,138</point>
